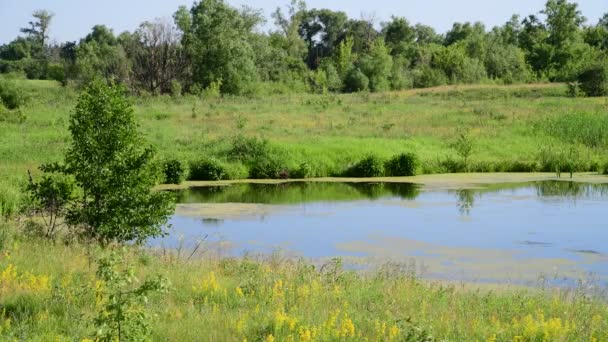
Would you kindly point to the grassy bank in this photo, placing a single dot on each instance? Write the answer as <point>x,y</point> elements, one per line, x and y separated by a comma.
<point>49,291</point>
<point>512,128</point>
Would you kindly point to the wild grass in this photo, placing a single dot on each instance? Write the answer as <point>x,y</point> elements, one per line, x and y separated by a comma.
<point>49,291</point>
<point>508,125</point>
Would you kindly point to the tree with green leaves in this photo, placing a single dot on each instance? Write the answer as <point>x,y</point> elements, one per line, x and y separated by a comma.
<point>114,169</point>
<point>38,29</point>
<point>217,37</point>
<point>377,66</point>
<point>399,35</point>
<point>101,56</point>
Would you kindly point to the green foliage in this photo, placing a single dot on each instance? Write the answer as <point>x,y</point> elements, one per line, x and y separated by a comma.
<point>207,169</point>
<point>213,90</point>
<point>114,169</point>
<point>175,171</point>
<point>404,164</point>
<point>101,57</point>
<point>425,77</point>
<point>217,39</point>
<point>377,66</point>
<point>371,166</point>
<point>56,72</point>
<point>10,95</point>
<point>176,88</point>
<point>344,57</point>
<point>245,149</point>
<point>464,146</point>
<point>122,315</point>
<point>593,81</point>
<point>302,172</point>
<point>49,198</point>
<point>268,167</point>
<point>356,81</point>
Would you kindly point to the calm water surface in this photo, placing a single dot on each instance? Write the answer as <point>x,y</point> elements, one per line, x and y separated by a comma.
<point>501,232</point>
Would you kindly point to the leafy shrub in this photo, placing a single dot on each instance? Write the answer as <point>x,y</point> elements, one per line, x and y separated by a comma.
<point>404,164</point>
<point>246,149</point>
<point>303,171</point>
<point>56,72</point>
<point>593,81</point>
<point>371,166</point>
<point>426,77</point>
<point>605,168</point>
<point>213,90</point>
<point>236,171</point>
<point>356,81</point>
<point>10,95</point>
<point>49,198</point>
<point>268,167</point>
<point>207,169</point>
<point>175,171</point>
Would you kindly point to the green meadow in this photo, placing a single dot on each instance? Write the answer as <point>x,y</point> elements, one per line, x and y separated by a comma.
<point>512,128</point>
<point>50,290</point>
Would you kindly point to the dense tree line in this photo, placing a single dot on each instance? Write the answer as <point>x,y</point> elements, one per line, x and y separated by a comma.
<point>213,45</point>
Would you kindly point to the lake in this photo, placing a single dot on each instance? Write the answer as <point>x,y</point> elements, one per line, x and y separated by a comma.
<point>551,231</point>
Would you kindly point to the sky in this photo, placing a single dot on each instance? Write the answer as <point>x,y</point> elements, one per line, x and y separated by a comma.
<point>74,18</point>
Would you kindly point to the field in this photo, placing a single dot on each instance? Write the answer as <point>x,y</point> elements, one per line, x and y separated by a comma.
<point>512,128</point>
<point>50,291</point>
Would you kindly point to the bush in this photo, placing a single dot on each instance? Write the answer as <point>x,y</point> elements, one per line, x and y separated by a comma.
<point>207,169</point>
<point>356,81</point>
<point>246,149</point>
<point>175,172</point>
<point>593,81</point>
<point>268,167</point>
<point>56,72</point>
<point>10,95</point>
<point>371,166</point>
<point>404,164</point>
<point>426,77</point>
<point>302,172</point>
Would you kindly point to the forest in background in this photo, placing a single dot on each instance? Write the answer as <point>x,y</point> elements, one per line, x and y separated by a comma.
<point>213,48</point>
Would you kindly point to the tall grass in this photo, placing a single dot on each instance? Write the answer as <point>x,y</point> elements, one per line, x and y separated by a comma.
<point>10,200</point>
<point>328,134</point>
<point>49,291</point>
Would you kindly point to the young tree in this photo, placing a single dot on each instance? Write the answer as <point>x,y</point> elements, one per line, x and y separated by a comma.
<point>114,169</point>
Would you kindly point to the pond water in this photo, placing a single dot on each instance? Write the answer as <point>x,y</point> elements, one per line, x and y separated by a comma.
<point>506,232</point>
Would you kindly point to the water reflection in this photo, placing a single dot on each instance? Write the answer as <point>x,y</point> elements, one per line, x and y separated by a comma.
<point>570,190</point>
<point>297,192</point>
<point>308,192</point>
<point>466,200</point>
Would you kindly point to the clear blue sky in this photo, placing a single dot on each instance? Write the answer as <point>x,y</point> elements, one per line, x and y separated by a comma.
<point>74,18</point>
